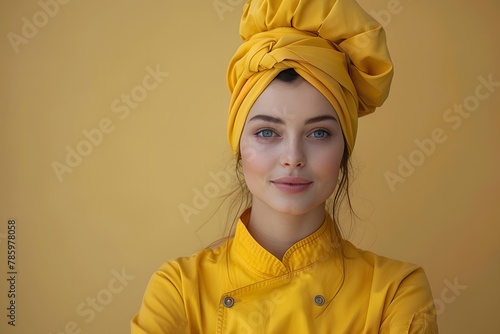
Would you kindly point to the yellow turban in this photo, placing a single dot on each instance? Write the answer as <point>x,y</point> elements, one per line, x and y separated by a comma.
<point>333,44</point>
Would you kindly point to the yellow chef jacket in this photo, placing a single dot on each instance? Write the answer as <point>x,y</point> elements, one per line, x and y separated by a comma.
<point>240,287</point>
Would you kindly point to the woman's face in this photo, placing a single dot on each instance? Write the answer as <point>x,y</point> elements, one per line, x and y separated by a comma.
<point>291,148</point>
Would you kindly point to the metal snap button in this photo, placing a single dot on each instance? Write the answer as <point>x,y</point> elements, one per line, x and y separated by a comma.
<point>319,300</point>
<point>228,302</point>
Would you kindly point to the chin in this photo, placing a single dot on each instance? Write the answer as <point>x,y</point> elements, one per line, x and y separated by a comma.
<point>295,209</point>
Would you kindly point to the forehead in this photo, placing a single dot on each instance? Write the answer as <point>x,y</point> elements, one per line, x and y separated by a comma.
<point>297,98</point>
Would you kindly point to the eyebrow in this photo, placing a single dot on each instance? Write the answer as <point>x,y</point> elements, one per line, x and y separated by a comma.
<point>320,119</point>
<point>277,120</point>
<point>266,118</point>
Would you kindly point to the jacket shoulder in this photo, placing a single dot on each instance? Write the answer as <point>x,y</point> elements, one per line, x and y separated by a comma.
<point>171,289</point>
<point>407,301</point>
<point>188,267</point>
<point>377,264</point>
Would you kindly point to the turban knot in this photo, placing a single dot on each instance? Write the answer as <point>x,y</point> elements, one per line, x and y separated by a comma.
<point>260,57</point>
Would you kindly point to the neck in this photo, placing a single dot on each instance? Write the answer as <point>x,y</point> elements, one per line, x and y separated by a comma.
<point>277,232</point>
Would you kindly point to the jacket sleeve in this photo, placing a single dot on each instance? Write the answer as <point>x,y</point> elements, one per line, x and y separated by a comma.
<point>162,310</point>
<point>411,310</point>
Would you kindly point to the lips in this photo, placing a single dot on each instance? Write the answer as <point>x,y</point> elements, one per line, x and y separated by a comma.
<point>292,184</point>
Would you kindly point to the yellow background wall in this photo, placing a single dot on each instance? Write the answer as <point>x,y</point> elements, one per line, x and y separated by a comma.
<point>91,231</point>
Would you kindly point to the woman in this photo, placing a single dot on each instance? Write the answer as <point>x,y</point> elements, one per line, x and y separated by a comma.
<point>304,74</point>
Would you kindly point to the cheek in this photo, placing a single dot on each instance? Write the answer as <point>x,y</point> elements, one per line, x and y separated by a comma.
<point>327,164</point>
<point>248,152</point>
<point>248,158</point>
<point>256,164</point>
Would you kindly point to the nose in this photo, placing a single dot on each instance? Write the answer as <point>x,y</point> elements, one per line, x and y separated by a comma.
<point>293,154</point>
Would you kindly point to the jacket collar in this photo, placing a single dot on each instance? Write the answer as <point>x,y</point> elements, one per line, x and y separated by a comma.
<point>314,248</point>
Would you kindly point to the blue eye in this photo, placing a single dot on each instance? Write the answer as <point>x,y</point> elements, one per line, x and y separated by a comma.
<point>266,133</point>
<point>320,134</point>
